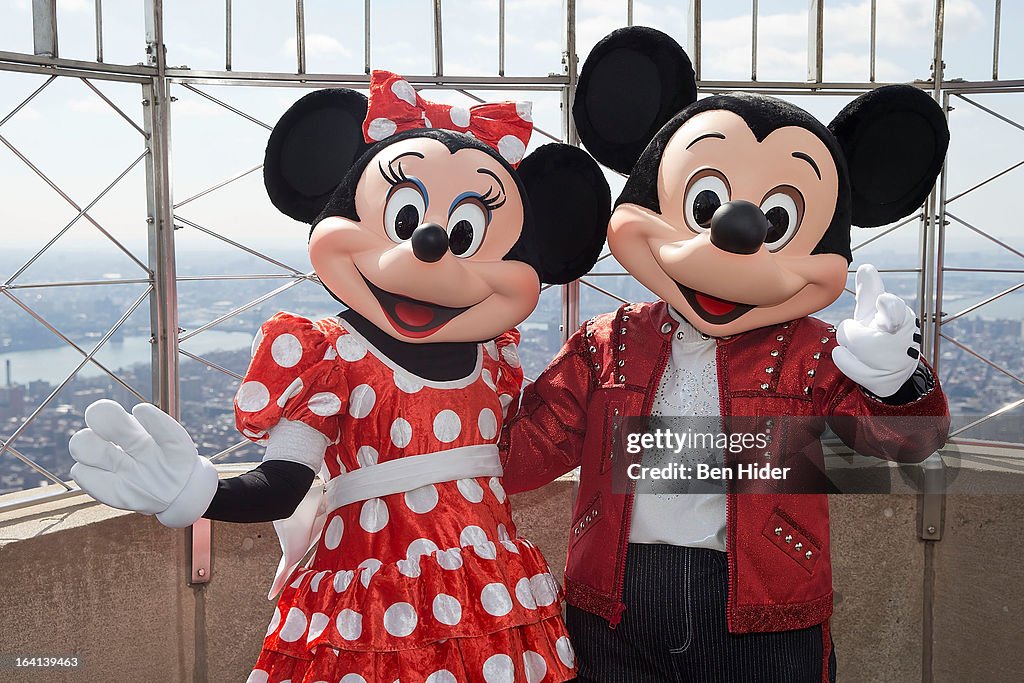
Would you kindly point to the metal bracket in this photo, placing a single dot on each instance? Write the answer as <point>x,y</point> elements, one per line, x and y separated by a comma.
<point>199,552</point>
<point>932,501</point>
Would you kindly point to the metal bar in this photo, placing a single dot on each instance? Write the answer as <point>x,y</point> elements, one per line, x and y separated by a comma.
<point>994,113</point>
<point>210,364</point>
<point>300,35</point>
<point>241,309</point>
<point>608,294</point>
<point>438,40</point>
<point>995,39</point>
<point>938,66</point>
<point>28,99</point>
<point>44,27</point>
<point>693,37</point>
<point>501,35</point>
<point>79,283</point>
<point>753,41</point>
<point>883,233</point>
<point>957,269</point>
<point>256,276</point>
<point>816,39</point>
<point>238,245</point>
<point>629,12</point>
<point>81,211</point>
<point>366,36</point>
<point>60,335</point>
<point>357,81</point>
<point>987,236</point>
<point>1005,409</point>
<point>99,30</point>
<point>227,106</point>
<point>992,364</point>
<point>229,450</point>
<point>985,182</point>
<point>938,272</point>
<point>114,107</point>
<point>34,465</point>
<point>984,302</point>
<point>873,51</point>
<point>570,292</point>
<point>219,185</point>
<point>227,35</point>
<point>21,503</point>
<point>21,66</point>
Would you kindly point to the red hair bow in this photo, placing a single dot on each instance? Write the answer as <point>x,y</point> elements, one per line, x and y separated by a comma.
<point>395,106</point>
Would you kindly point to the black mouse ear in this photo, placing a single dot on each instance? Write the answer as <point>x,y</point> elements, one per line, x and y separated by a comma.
<point>311,148</point>
<point>894,139</point>
<point>570,203</point>
<point>632,83</point>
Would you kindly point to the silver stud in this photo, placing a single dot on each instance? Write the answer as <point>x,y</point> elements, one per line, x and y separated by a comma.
<point>704,336</point>
<point>817,355</point>
<point>621,363</point>
<point>807,390</point>
<point>666,328</point>
<point>597,366</point>
<point>769,369</point>
<point>764,386</point>
<point>788,538</point>
<point>779,338</point>
<point>810,373</point>
<point>769,423</point>
<point>622,378</point>
<point>576,531</point>
<point>622,347</point>
<point>824,340</point>
<point>808,554</point>
<point>785,326</point>
<point>590,333</point>
<point>593,349</point>
<point>625,318</point>
<point>767,438</point>
<point>768,454</point>
<point>778,531</point>
<point>831,329</point>
<point>679,335</point>
<point>622,331</point>
<point>798,546</point>
<point>775,353</point>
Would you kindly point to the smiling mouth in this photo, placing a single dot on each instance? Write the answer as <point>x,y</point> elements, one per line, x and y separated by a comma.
<point>412,317</point>
<point>711,308</point>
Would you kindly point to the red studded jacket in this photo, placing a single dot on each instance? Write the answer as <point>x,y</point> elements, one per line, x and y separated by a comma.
<point>780,574</point>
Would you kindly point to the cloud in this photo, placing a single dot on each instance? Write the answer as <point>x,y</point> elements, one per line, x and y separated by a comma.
<point>318,44</point>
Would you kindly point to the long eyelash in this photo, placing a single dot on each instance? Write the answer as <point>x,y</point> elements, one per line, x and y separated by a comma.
<point>493,202</point>
<point>391,175</point>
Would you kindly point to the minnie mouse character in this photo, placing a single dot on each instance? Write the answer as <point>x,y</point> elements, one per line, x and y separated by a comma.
<point>438,244</point>
<point>737,213</point>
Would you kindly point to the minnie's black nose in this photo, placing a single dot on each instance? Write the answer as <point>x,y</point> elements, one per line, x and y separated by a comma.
<point>429,242</point>
<point>738,227</point>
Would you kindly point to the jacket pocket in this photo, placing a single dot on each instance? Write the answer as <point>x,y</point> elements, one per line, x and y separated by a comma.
<point>792,540</point>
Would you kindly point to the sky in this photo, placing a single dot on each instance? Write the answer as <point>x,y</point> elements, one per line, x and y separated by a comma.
<point>82,144</point>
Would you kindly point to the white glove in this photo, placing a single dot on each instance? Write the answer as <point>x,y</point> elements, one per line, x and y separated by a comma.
<point>145,462</point>
<point>880,346</point>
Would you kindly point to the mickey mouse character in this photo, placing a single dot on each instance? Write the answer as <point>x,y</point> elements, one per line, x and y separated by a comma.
<point>438,245</point>
<point>737,213</point>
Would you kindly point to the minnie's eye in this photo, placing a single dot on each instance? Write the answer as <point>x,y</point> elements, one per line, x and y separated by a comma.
<point>783,208</point>
<point>703,197</point>
<point>403,212</point>
<point>466,227</point>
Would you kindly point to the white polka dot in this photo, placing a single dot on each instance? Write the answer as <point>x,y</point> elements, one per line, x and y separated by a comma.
<point>351,678</point>
<point>404,91</point>
<point>258,676</point>
<point>447,609</point>
<point>487,377</point>
<point>421,500</point>
<point>274,621</point>
<point>535,666</point>
<point>330,353</point>
<point>324,404</point>
<point>565,652</point>
<point>544,589</point>
<point>511,546</point>
<point>314,583</point>
<point>511,355</point>
<point>369,567</point>
<point>488,424</point>
<point>294,625</point>
<point>381,128</point>
<point>506,401</point>
<point>450,559</point>
<point>367,456</point>
<point>407,382</point>
<point>286,350</point>
<point>332,537</point>
<point>511,148</point>
<point>441,676</point>
<point>401,432</point>
<point>317,625</point>
<point>419,547</point>
<point>447,426</point>
<point>256,341</point>
<point>361,401</point>
<point>255,435</point>
<point>373,516</point>
<point>342,580</point>
<point>497,489</point>
<point>525,111</point>
<point>524,594</point>
<point>499,669</point>
<point>291,392</point>
<point>252,397</point>
<point>349,348</point>
<point>496,600</point>
<point>470,490</point>
<point>503,533</point>
<point>474,536</point>
<point>460,116</point>
<point>400,619</point>
<point>492,349</point>
<point>349,624</point>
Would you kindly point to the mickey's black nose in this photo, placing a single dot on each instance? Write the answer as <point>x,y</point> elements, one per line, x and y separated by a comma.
<point>429,242</point>
<point>738,227</point>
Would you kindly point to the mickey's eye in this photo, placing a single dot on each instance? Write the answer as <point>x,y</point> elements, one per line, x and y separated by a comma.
<point>705,193</point>
<point>466,227</point>
<point>784,207</point>
<point>403,212</point>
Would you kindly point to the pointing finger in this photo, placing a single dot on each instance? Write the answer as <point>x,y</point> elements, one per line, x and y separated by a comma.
<point>892,313</point>
<point>869,288</point>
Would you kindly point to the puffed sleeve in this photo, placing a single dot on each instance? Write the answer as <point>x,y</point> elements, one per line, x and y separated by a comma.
<point>290,379</point>
<point>509,382</point>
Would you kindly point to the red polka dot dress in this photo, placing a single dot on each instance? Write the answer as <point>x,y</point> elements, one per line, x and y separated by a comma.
<point>432,585</point>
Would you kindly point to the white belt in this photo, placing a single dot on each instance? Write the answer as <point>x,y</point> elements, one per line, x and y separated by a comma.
<point>300,532</point>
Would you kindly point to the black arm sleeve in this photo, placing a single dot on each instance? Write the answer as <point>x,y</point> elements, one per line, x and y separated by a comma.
<point>271,491</point>
<point>919,384</point>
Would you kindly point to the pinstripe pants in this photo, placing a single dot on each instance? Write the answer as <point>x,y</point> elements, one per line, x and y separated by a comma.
<point>674,629</point>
